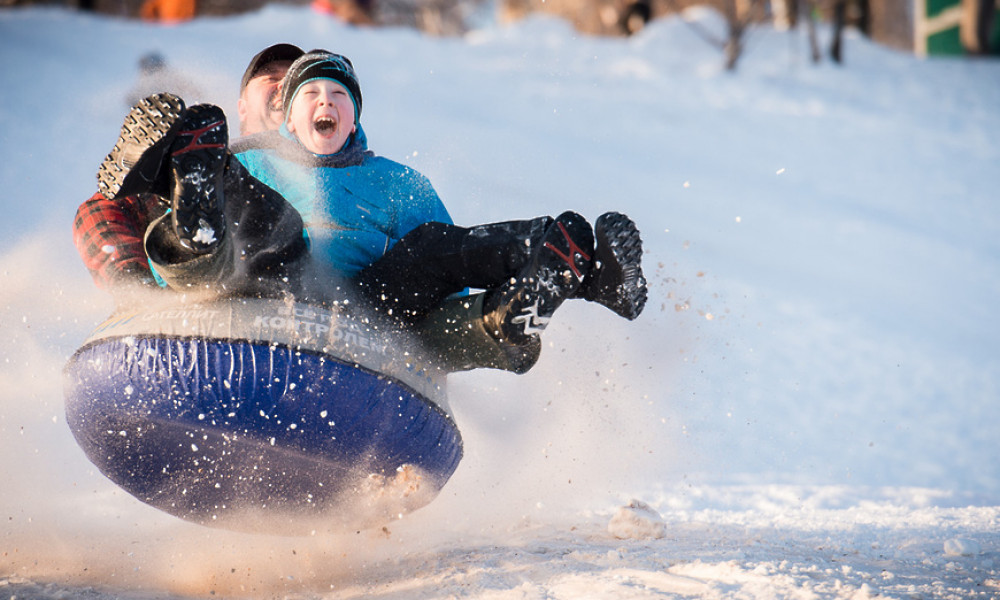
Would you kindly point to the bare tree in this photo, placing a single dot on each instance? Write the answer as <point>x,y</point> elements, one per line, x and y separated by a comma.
<point>739,15</point>
<point>809,6</point>
<point>436,17</point>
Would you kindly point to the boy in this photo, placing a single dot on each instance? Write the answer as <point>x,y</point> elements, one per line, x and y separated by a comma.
<point>370,220</point>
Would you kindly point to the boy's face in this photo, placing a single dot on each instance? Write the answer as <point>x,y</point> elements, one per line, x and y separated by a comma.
<point>260,103</point>
<point>322,116</point>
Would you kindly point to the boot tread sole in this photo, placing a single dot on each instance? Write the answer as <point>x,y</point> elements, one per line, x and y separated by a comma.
<point>149,123</point>
<point>619,249</point>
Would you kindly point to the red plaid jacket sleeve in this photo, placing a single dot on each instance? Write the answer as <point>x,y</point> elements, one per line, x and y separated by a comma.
<point>108,235</point>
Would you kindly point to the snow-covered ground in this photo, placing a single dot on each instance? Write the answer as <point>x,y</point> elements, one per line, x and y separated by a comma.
<point>810,405</point>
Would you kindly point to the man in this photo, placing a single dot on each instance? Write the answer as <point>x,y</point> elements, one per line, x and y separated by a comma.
<point>259,107</point>
<point>250,242</point>
<point>109,233</point>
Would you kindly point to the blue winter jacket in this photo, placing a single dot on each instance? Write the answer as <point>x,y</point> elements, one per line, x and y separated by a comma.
<point>355,205</point>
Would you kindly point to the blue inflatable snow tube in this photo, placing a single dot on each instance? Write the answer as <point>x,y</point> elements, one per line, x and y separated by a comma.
<point>262,415</point>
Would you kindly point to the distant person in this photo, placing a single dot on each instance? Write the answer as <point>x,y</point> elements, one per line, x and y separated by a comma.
<point>156,76</point>
<point>168,11</point>
<point>976,26</point>
<point>635,17</point>
<point>352,12</point>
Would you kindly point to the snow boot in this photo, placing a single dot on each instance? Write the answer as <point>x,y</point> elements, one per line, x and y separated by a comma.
<point>616,279</point>
<point>135,164</point>
<point>198,157</point>
<point>521,308</point>
<point>519,358</point>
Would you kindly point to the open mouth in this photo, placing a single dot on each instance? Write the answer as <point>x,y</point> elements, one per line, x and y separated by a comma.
<point>325,125</point>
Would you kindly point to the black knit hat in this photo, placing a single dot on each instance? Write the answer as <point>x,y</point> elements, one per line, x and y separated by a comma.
<point>275,53</point>
<point>321,64</point>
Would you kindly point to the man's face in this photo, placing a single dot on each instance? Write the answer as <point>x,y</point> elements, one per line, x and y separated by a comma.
<point>260,103</point>
<point>322,116</point>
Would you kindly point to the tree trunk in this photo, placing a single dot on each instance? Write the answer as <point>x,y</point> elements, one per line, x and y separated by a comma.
<point>811,26</point>
<point>839,18</point>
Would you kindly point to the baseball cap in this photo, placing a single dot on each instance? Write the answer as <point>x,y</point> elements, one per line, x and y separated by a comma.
<point>277,52</point>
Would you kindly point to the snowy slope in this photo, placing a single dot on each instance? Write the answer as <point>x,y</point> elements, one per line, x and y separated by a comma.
<point>810,402</point>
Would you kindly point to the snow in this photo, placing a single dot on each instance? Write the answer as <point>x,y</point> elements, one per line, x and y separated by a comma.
<point>809,404</point>
<point>637,521</point>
